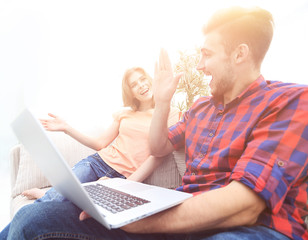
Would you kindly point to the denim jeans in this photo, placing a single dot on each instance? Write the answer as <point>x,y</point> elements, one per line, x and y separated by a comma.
<point>87,170</point>
<point>60,220</point>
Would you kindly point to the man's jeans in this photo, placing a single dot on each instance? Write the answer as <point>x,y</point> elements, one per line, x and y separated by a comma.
<point>60,220</point>
<point>87,170</point>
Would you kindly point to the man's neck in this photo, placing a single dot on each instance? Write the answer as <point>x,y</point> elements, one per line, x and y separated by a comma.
<point>242,81</point>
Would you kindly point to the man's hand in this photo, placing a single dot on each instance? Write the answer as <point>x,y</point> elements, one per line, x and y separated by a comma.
<point>103,178</point>
<point>83,216</point>
<point>164,84</point>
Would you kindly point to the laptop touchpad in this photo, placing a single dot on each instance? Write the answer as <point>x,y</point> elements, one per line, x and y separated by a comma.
<point>135,187</point>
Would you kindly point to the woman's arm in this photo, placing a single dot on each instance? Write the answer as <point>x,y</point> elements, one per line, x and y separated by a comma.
<point>146,169</point>
<point>58,124</point>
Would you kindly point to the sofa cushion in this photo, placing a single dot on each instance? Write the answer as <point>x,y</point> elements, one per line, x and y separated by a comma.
<point>166,175</point>
<point>19,201</point>
<point>30,176</point>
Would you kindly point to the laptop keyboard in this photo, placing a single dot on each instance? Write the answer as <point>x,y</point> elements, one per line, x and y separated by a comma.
<point>113,200</point>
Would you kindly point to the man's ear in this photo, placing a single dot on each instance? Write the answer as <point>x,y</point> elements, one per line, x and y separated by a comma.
<point>241,53</point>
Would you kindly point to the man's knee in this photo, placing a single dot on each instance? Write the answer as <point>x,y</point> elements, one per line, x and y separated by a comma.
<point>22,222</point>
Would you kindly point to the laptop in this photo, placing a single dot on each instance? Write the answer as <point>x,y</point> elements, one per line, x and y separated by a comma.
<point>140,200</point>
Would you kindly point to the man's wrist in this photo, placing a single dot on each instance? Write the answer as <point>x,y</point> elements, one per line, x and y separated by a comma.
<point>162,105</point>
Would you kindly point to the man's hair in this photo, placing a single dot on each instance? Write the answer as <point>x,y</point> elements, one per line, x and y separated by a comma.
<point>237,25</point>
<point>127,95</point>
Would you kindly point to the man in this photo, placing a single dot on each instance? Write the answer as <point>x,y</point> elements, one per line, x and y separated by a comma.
<point>245,147</point>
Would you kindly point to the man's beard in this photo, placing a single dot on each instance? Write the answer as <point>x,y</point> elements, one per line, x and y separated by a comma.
<point>223,84</point>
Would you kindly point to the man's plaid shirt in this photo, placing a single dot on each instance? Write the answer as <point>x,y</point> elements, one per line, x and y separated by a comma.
<point>259,139</point>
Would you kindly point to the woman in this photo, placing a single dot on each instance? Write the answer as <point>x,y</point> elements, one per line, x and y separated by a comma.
<point>122,150</point>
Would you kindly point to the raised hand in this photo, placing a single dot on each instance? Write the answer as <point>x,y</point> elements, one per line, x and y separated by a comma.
<point>54,124</point>
<point>164,84</point>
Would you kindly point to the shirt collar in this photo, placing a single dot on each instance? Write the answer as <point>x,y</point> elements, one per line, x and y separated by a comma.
<point>255,86</point>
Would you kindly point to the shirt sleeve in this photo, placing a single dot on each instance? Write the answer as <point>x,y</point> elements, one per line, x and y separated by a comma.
<point>276,156</point>
<point>177,132</point>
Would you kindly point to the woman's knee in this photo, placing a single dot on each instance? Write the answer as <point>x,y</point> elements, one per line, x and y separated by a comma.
<point>84,171</point>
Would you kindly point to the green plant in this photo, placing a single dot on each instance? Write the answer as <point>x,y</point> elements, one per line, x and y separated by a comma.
<point>192,84</point>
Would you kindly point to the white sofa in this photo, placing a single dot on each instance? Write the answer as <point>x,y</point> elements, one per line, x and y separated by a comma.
<point>25,174</point>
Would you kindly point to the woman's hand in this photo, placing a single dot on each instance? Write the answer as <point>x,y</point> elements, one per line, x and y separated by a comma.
<point>54,124</point>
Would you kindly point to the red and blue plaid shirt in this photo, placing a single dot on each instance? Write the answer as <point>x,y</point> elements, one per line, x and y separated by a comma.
<point>259,139</point>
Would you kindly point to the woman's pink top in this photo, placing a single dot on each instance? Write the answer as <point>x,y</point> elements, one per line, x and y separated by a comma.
<point>131,148</point>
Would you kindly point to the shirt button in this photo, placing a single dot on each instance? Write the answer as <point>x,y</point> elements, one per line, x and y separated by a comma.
<point>220,113</point>
<point>193,174</point>
<point>280,163</point>
<point>211,134</point>
<point>201,155</point>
